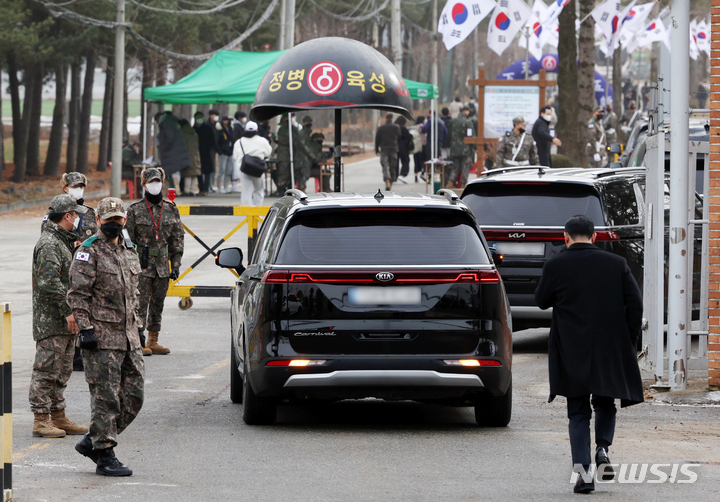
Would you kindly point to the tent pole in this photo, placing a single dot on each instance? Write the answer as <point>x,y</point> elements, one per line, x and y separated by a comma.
<point>291,130</point>
<point>144,128</point>
<point>338,153</point>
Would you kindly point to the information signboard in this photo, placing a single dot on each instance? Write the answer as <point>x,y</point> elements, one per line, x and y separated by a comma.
<point>503,103</point>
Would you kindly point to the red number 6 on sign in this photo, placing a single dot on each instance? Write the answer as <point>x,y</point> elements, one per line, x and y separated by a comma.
<point>325,78</point>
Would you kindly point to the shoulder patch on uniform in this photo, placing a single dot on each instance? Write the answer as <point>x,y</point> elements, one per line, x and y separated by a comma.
<point>82,256</point>
<point>591,126</point>
<point>45,218</point>
<point>88,242</point>
<point>507,134</point>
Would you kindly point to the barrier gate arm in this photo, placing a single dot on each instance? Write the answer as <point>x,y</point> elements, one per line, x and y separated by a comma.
<point>253,216</point>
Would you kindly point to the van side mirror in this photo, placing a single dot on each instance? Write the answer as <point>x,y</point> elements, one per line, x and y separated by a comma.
<point>615,148</point>
<point>229,258</point>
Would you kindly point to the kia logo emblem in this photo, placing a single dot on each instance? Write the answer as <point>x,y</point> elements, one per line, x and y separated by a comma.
<point>516,236</point>
<point>384,276</point>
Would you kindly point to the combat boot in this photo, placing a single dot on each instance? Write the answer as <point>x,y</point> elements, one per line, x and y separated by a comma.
<point>153,344</point>
<point>84,447</point>
<point>60,421</point>
<point>108,465</point>
<point>44,428</point>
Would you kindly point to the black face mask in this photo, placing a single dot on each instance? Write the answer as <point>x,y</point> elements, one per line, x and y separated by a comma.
<point>111,229</point>
<point>600,116</point>
<point>521,130</point>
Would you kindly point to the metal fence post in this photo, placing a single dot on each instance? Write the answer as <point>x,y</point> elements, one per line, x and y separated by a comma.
<point>6,398</point>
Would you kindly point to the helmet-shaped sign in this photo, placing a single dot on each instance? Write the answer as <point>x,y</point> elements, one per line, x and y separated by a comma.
<point>331,73</point>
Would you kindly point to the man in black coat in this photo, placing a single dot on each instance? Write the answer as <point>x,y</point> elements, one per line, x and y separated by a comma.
<point>542,136</point>
<point>207,145</point>
<point>596,321</point>
<point>172,152</point>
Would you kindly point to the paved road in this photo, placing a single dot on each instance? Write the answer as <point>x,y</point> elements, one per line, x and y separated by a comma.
<point>189,442</point>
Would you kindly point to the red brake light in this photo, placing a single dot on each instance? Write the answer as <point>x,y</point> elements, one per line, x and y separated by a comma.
<point>606,235</point>
<point>524,235</point>
<point>369,277</point>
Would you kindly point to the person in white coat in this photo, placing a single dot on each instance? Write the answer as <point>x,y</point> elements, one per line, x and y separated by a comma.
<point>252,188</point>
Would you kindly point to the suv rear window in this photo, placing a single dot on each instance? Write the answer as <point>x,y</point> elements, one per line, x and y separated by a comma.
<point>532,204</point>
<point>382,237</point>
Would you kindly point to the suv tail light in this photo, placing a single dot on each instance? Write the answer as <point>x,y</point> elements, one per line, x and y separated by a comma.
<point>541,235</point>
<point>370,277</point>
<point>606,235</point>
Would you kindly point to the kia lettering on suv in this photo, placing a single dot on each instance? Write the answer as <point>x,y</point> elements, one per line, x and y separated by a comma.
<point>349,296</point>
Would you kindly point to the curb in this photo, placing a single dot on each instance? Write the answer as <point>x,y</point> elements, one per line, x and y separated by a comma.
<point>25,204</point>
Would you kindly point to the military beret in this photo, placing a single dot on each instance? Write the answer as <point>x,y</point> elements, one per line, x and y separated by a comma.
<point>152,173</point>
<point>73,179</point>
<point>63,203</point>
<point>519,120</point>
<point>110,207</point>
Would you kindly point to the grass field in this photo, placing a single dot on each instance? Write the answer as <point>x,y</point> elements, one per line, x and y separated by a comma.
<point>48,105</point>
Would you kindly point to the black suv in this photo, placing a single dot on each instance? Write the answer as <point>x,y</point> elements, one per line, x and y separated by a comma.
<point>522,213</point>
<point>391,296</point>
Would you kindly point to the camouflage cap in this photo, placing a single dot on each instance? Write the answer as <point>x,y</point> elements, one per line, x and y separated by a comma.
<point>632,103</point>
<point>317,135</point>
<point>307,118</point>
<point>63,203</point>
<point>597,109</point>
<point>465,108</point>
<point>519,120</point>
<point>110,207</point>
<point>152,173</point>
<point>73,179</point>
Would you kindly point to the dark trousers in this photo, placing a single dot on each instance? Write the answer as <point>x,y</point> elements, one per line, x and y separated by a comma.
<point>579,414</point>
<point>204,181</point>
<point>419,159</point>
<point>404,159</point>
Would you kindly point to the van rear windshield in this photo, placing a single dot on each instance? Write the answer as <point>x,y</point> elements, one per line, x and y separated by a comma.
<point>382,237</point>
<point>511,204</point>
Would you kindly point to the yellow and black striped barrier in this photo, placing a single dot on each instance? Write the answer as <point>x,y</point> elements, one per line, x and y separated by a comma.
<point>6,399</point>
<point>253,217</point>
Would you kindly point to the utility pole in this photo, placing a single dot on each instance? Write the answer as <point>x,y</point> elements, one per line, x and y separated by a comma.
<point>396,33</point>
<point>283,8</point>
<point>475,58</point>
<point>375,43</point>
<point>290,24</point>
<point>118,105</point>
<point>679,283</point>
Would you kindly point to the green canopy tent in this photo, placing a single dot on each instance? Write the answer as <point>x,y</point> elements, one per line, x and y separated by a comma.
<point>234,77</point>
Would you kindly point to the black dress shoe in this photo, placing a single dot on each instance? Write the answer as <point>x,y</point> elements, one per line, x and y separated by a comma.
<point>582,486</point>
<point>84,447</point>
<point>108,465</point>
<point>602,461</point>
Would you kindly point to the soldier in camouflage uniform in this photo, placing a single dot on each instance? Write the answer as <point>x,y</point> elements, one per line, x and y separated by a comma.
<point>517,148</point>
<point>54,326</point>
<point>154,226</point>
<point>461,153</point>
<point>282,154</point>
<point>595,135</point>
<point>316,151</point>
<point>303,162</point>
<point>103,296</point>
<point>74,184</point>
<point>611,125</point>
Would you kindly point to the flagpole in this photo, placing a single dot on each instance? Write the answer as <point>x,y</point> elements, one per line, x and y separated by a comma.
<point>607,79</point>
<point>527,51</point>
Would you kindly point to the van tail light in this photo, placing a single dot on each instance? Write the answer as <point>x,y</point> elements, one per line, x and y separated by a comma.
<point>472,363</point>
<point>296,363</point>
<point>606,235</point>
<point>370,277</point>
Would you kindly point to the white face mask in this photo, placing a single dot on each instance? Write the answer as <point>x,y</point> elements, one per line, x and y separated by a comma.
<point>76,193</point>
<point>76,223</point>
<point>243,120</point>
<point>547,117</point>
<point>154,187</point>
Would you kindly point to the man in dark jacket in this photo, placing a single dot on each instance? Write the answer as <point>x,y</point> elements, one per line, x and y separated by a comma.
<point>173,154</point>
<point>544,139</point>
<point>386,145</point>
<point>596,321</point>
<point>207,147</point>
